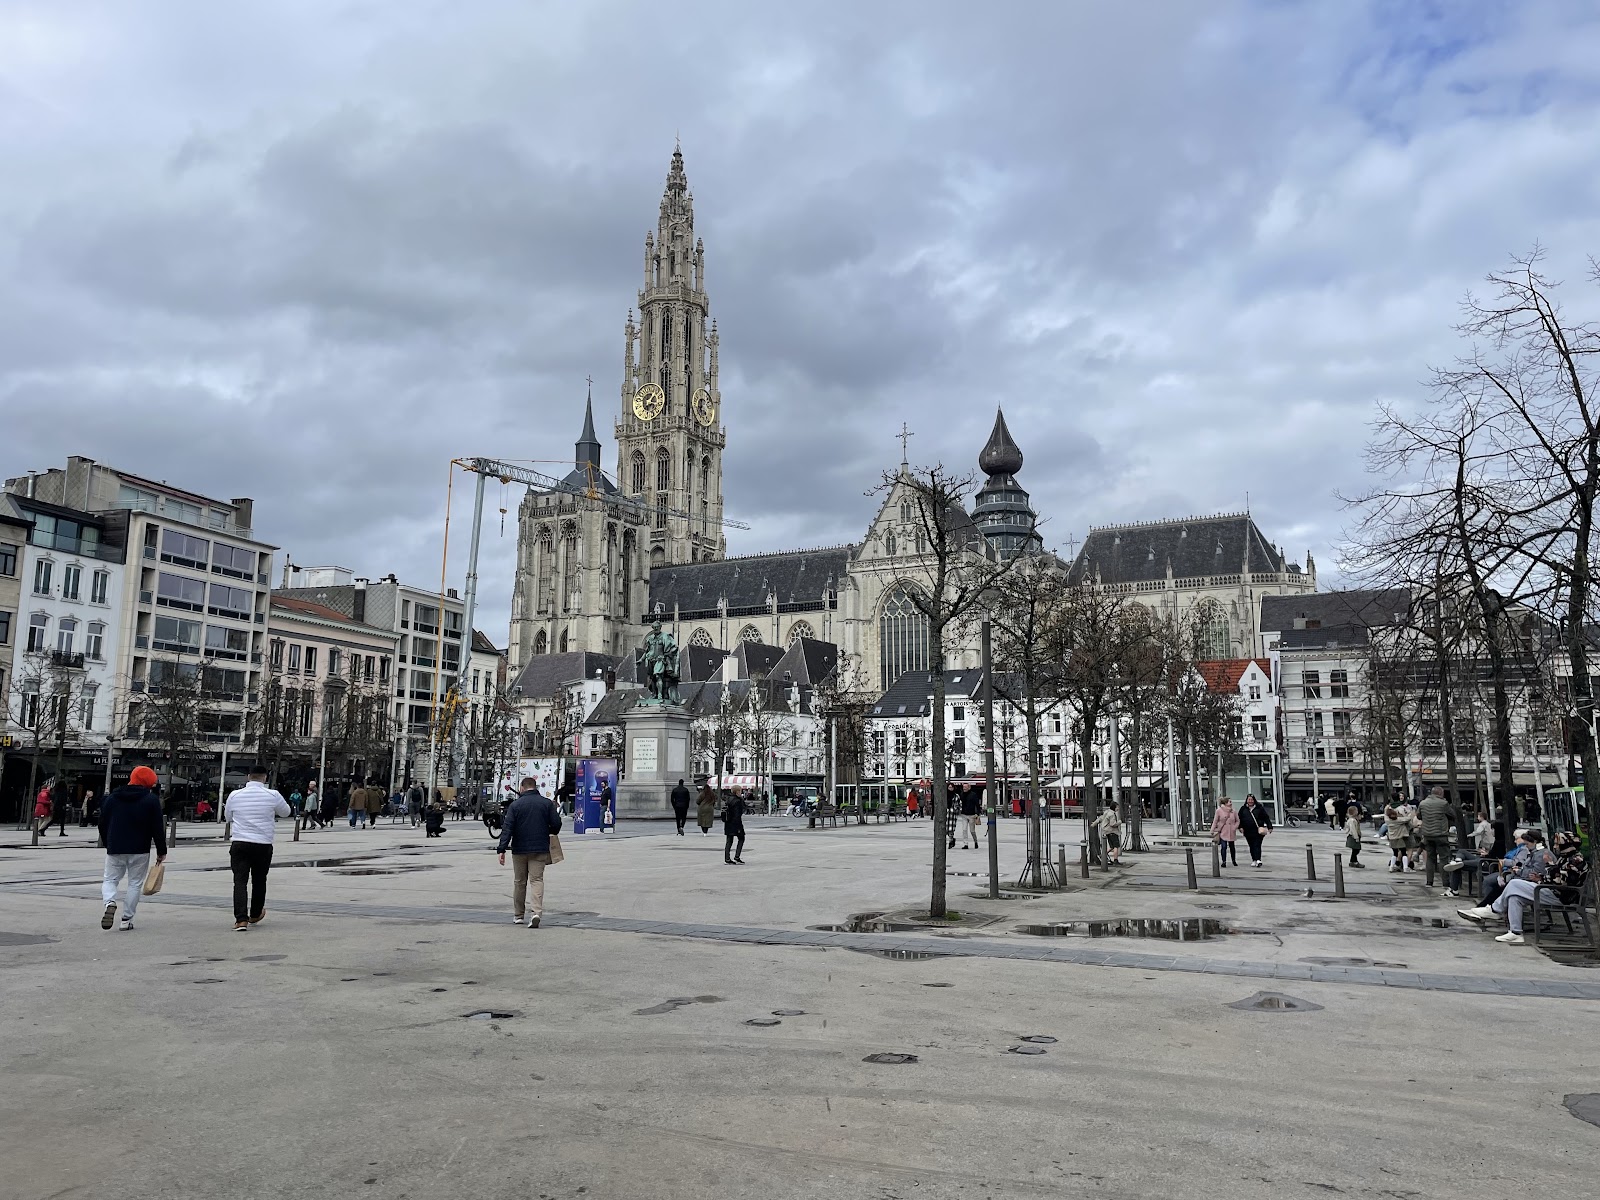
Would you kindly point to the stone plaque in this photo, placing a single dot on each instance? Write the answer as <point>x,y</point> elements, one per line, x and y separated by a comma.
<point>644,756</point>
<point>675,755</point>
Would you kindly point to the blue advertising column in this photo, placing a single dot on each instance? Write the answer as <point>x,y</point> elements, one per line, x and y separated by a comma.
<point>595,802</point>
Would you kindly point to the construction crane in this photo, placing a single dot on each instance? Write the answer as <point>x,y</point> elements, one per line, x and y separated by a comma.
<point>509,472</point>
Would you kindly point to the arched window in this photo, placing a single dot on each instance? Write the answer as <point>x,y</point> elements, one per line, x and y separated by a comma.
<point>905,511</point>
<point>666,356</point>
<point>801,629</point>
<point>749,634</point>
<point>663,470</point>
<point>546,554</point>
<point>563,641</point>
<point>889,544</point>
<point>541,644</point>
<point>658,556</point>
<point>700,638</point>
<point>569,574</point>
<point>638,471</point>
<point>1210,631</point>
<point>902,637</point>
<point>688,473</point>
<point>626,574</point>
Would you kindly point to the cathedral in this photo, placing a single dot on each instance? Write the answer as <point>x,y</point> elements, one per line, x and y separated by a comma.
<point>599,558</point>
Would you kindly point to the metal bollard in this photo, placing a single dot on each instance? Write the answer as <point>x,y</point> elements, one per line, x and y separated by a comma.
<point>1083,859</point>
<point>1194,882</point>
<point>1338,876</point>
<point>36,831</point>
<point>1216,860</point>
<point>1061,862</point>
<point>297,829</point>
<point>227,831</point>
<point>1311,863</point>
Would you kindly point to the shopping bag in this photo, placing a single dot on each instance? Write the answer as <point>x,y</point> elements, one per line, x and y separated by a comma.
<point>153,880</point>
<point>555,849</point>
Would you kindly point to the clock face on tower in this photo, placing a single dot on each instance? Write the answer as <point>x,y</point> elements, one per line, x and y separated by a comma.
<point>648,402</point>
<point>705,410</point>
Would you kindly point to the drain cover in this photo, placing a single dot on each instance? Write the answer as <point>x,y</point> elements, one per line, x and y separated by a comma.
<point>1039,1039</point>
<point>1275,1002</point>
<point>1026,1050</point>
<point>788,1012</point>
<point>763,1021</point>
<point>1584,1105</point>
<point>889,1059</point>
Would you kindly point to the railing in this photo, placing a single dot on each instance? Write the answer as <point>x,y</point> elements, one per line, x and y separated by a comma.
<point>63,658</point>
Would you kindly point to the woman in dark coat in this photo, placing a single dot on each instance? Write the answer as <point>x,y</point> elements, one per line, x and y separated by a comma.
<point>733,827</point>
<point>706,808</point>
<point>1255,824</point>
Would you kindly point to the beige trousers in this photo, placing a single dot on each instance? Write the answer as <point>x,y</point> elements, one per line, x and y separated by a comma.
<point>528,869</point>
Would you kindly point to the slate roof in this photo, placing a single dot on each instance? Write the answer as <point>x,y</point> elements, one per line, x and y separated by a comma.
<point>482,645</point>
<point>612,705</point>
<point>801,579</point>
<point>756,658</point>
<point>700,699</point>
<point>807,660</point>
<point>310,608</point>
<point>1141,552</point>
<point>696,664</point>
<point>908,695</point>
<point>545,674</point>
<point>1368,607</point>
<point>1327,637</point>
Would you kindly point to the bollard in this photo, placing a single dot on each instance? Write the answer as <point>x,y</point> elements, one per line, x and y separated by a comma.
<point>1216,861</point>
<point>1061,863</point>
<point>1083,859</point>
<point>36,831</point>
<point>172,831</point>
<point>1311,863</point>
<point>1188,854</point>
<point>297,829</point>
<point>227,831</point>
<point>1338,876</point>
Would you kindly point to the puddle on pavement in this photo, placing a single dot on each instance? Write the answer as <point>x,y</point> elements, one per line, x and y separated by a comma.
<point>310,862</point>
<point>676,1002</point>
<point>788,1012</point>
<point>1352,962</point>
<point>25,939</point>
<point>1004,896</point>
<point>1025,1050</point>
<point>388,870</point>
<point>264,958</point>
<point>1583,1105</point>
<point>1182,929</point>
<point>763,1022</point>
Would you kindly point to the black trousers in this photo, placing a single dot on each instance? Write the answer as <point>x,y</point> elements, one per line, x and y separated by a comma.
<point>728,851</point>
<point>1254,842</point>
<point>250,862</point>
<point>681,816</point>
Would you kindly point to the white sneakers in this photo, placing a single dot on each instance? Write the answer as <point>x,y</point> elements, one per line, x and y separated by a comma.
<point>127,923</point>
<point>1511,938</point>
<point>1449,893</point>
<point>1480,914</point>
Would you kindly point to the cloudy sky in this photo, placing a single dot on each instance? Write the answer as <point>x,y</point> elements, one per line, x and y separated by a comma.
<point>307,250</point>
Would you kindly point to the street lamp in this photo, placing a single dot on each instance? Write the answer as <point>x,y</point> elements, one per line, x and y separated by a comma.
<point>1313,745</point>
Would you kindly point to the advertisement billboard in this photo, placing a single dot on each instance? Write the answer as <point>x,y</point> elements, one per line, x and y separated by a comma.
<point>595,804</point>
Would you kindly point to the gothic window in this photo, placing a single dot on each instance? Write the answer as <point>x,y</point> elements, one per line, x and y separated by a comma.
<point>688,349</point>
<point>546,564</point>
<point>638,471</point>
<point>658,556</point>
<point>608,569</point>
<point>541,644</point>
<point>889,544</point>
<point>569,569</point>
<point>625,575</point>
<point>905,511</point>
<point>902,637</point>
<point>1210,631</point>
<point>666,356</point>
<point>700,638</point>
<point>922,542</point>
<point>663,470</point>
<point>661,514</point>
<point>801,629</point>
<point>749,634</point>
<point>563,641</point>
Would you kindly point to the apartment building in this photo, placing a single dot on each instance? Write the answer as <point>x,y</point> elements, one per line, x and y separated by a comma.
<point>193,602</point>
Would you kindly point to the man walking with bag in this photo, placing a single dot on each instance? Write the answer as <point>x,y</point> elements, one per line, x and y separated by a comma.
<point>130,820</point>
<point>254,810</point>
<point>528,829</point>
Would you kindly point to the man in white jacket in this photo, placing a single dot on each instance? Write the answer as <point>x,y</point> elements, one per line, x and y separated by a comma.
<point>254,810</point>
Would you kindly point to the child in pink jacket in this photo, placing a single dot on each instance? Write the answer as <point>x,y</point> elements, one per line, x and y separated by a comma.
<point>1224,828</point>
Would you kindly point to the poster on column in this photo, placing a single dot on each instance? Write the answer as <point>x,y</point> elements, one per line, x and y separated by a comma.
<point>547,771</point>
<point>595,805</point>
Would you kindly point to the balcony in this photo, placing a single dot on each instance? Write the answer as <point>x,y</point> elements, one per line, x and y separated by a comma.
<point>65,658</point>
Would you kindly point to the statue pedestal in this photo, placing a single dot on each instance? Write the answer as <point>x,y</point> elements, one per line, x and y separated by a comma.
<point>656,756</point>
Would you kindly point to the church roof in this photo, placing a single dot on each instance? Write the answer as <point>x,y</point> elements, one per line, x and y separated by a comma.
<point>800,578</point>
<point>1192,546</point>
<point>1001,456</point>
<point>546,674</point>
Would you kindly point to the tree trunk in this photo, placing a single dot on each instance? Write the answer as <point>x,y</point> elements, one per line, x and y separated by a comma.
<point>936,903</point>
<point>1135,814</point>
<point>1030,715</point>
<point>1447,716</point>
<point>1090,799</point>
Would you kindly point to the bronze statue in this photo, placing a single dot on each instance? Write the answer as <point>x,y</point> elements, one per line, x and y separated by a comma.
<point>659,659</point>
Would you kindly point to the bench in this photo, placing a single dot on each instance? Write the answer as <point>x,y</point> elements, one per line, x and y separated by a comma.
<point>825,813</point>
<point>1546,900</point>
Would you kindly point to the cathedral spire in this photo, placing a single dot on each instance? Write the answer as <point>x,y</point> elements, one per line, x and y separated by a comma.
<point>588,445</point>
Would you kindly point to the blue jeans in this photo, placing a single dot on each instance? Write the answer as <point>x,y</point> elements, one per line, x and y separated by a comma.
<point>358,812</point>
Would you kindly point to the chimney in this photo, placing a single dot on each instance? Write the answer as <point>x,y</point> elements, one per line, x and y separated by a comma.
<point>611,678</point>
<point>287,567</point>
<point>358,602</point>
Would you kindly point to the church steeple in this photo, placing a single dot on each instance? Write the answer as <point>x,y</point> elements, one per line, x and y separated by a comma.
<point>670,439</point>
<point>587,448</point>
<point>1001,509</point>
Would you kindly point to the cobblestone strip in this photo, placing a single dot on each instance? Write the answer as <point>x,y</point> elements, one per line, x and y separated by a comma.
<point>1088,956</point>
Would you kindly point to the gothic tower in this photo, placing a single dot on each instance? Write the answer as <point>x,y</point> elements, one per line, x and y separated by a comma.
<point>1001,509</point>
<point>670,436</point>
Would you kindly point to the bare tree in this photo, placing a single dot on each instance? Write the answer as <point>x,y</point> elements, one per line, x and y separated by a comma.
<point>843,698</point>
<point>45,699</point>
<point>958,569</point>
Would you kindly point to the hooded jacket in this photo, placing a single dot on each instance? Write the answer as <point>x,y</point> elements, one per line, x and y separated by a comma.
<point>130,820</point>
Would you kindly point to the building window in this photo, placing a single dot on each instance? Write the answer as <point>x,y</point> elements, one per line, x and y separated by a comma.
<point>234,561</point>
<point>1339,684</point>
<point>749,634</point>
<point>1210,630</point>
<point>99,585</point>
<point>294,659</point>
<point>700,638</point>
<point>275,656</point>
<point>223,642</point>
<point>94,641</point>
<point>179,591</point>
<point>71,581</point>
<point>66,629</point>
<point>335,661</point>
<point>1314,724</point>
<point>230,602</point>
<point>5,633</point>
<point>1341,724</point>
<point>38,630</point>
<point>41,576</point>
<point>183,550</point>
<point>426,618</point>
<point>86,706</point>
<point>305,714</point>
<point>801,629</point>
<point>70,537</point>
<point>1255,691</point>
<point>1258,730</point>
<point>546,566</point>
<point>1311,685</point>
<point>8,559</point>
<point>175,634</point>
<point>638,472</point>
<point>383,669</point>
<point>1343,754</point>
<point>902,638</point>
<point>311,660</point>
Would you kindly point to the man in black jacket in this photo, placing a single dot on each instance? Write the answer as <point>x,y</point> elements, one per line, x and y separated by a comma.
<point>733,828</point>
<point>529,821</point>
<point>130,820</point>
<point>680,805</point>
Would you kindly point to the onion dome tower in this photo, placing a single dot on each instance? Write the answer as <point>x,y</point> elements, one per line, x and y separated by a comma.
<point>1001,510</point>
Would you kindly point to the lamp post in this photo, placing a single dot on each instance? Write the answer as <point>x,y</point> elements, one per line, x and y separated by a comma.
<point>1313,744</point>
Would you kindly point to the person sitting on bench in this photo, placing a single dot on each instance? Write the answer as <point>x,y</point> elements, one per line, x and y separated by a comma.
<point>1529,864</point>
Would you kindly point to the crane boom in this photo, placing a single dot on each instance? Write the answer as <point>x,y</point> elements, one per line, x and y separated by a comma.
<point>507,472</point>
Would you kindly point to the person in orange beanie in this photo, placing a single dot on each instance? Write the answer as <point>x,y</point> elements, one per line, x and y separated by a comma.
<point>130,821</point>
